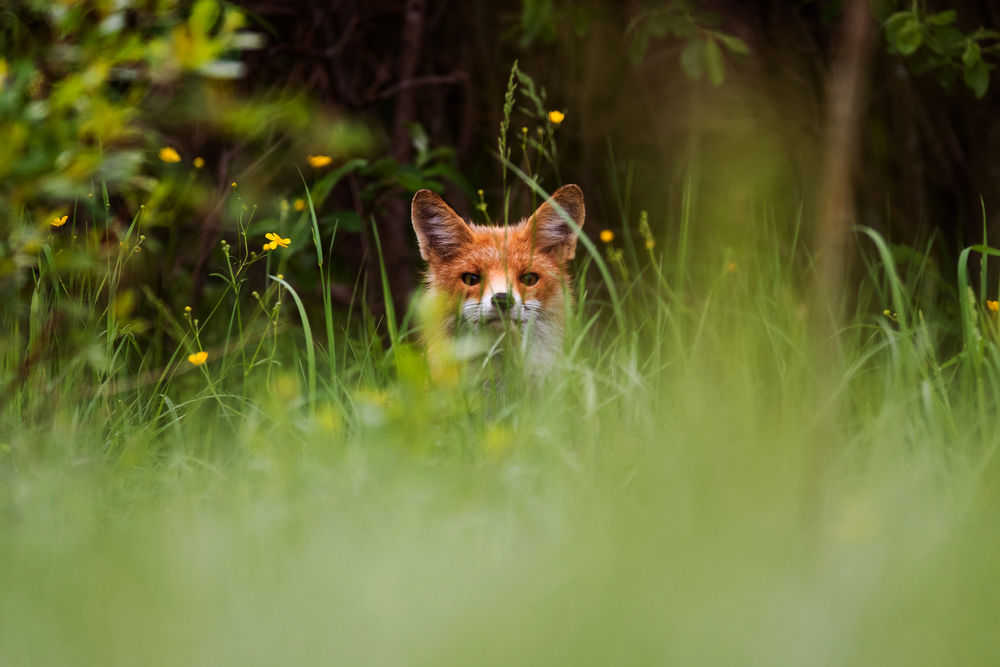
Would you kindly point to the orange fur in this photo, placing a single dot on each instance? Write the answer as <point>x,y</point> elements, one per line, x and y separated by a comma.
<point>524,265</point>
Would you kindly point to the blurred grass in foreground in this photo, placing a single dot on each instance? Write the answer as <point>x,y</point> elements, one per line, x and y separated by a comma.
<point>666,496</point>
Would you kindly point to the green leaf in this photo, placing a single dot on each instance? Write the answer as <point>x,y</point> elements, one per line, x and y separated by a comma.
<point>411,178</point>
<point>945,41</point>
<point>439,154</point>
<point>449,172</point>
<point>946,17</point>
<point>693,58</point>
<point>714,63</point>
<point>910,36</point>
<point>538,20</point>
<point>733,43</point>
<point>203,16</point>
<point>977,77</point>
<point>893,24</point>
<point>972,55</point>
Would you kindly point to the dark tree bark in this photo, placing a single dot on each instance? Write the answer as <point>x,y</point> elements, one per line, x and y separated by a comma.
<point>395,248</point>
<point>845,100</point>
<point>835,208</point>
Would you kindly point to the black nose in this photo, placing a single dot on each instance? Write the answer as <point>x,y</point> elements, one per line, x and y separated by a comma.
<point>502,301</point>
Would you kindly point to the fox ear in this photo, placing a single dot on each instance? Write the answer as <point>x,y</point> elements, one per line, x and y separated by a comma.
<point>441,233</point>
<point>551,231</point>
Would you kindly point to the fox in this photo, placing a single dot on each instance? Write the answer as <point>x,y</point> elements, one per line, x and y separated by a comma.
<point>501,278</point>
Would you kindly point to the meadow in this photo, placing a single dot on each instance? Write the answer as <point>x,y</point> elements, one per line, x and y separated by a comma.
<point>255,454</point>
<point>698,482</point>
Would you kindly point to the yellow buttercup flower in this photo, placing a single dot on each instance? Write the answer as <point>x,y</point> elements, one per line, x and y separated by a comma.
<point>299,205</point>
<point>556,117</point>
<point>650,244</point>
<point>993,305</point>
<point>59,222</point>
<point>607,236</point>
<point>198,162</point>
<point>198,358</point>
<point>168,154</point>
<point>275,241</point>
<point>319,160</point>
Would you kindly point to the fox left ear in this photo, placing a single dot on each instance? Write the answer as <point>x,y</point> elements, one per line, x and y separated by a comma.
<point>441,233</point>
<point>551,231</point>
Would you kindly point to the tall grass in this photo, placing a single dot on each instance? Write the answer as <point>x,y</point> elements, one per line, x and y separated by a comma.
<point>316,495</point>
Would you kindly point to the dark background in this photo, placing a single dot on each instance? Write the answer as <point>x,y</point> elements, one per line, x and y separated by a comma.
<point>928,145</point>
<point>642,123</point>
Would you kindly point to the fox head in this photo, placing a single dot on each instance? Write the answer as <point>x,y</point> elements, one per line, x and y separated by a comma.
<point>497,274</point>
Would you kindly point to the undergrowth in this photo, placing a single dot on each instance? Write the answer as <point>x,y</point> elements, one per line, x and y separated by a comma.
<point>699,480</point>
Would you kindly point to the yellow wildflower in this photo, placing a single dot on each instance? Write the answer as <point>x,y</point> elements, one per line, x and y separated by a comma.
<point>731,267</point>
<point>198,162</point>
<point>168,154</point>
<point>556,117</point>
<point>607,236</point>
<point>187,309</point>
<point>299,204</point>
<point>650,244</point>
<point>59,222</point>
<point>319,160</point>
<point>993,305</point>
<point>275,241</point>
<point>198,358</point>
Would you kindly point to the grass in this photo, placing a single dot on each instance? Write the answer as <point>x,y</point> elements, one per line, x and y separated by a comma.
<point>690,486</point>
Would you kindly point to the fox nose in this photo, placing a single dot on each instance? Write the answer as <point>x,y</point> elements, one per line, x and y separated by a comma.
<point>502,301</point>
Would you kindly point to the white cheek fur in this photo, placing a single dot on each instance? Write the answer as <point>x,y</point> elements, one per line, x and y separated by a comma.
<point>543,332</point>
<point>542,329</point>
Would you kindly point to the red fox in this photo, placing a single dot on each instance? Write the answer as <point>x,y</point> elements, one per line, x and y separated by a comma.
<point>499,278</point>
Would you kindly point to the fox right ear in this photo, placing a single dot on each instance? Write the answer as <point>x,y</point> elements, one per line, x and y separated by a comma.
<point>441,233</point>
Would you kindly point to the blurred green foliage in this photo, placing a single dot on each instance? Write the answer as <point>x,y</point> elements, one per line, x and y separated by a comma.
<point>83,88</point>
<point>693,25</point>
<point>121,113</point>
<point>126,129</point>
<point>932,41</point>
<point>74,85</point>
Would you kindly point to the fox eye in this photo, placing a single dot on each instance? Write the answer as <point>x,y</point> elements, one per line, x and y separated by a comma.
<point>529,279</point>
<point>470,279</point>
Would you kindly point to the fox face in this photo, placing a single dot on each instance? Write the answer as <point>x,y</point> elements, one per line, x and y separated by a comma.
<point>496,276</point>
